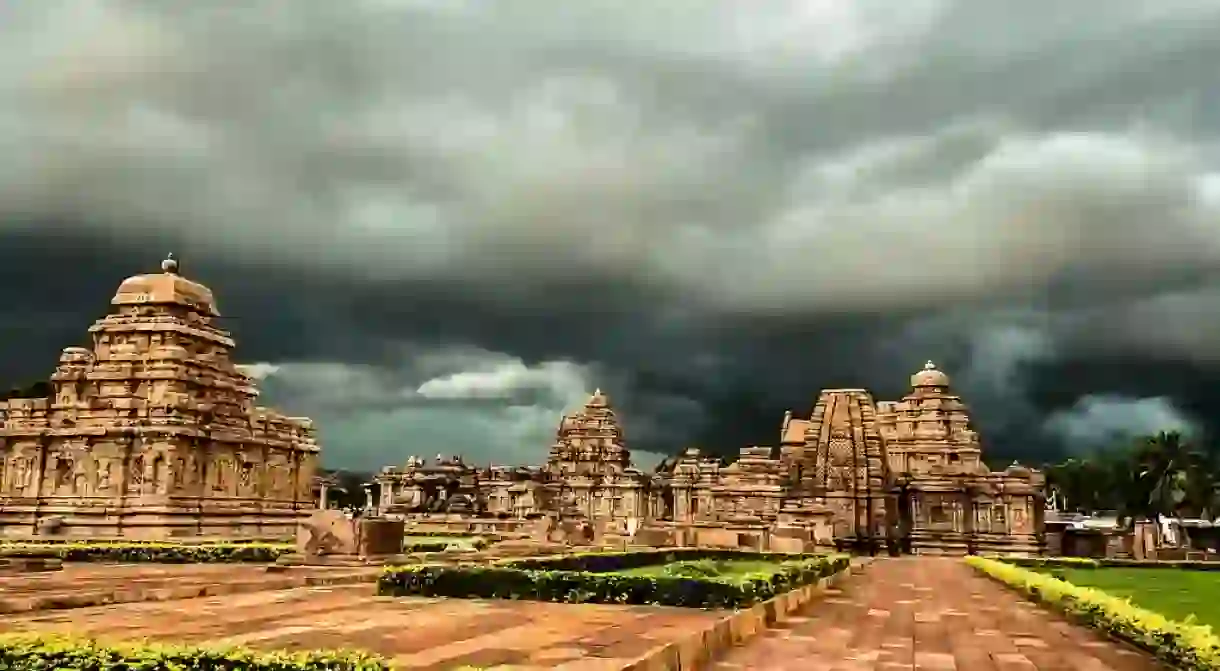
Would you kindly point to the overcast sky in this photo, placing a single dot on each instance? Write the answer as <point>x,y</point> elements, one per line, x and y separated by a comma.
<point>437,224</point>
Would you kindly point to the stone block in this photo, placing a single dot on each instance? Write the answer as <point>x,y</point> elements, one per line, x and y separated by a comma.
<point>657,538</point>
<point>379,537</point>
<point>328,532</point>
<point>789,544</point>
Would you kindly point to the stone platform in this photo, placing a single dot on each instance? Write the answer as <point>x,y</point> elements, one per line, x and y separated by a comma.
<point>81,585</point>
<point>416,633</point>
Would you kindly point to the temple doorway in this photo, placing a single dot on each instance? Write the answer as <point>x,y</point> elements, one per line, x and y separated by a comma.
<point>900,523</point>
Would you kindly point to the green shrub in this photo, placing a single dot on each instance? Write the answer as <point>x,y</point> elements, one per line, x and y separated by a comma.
<point>604,562</point>
<point>425,546</point>
<point>1089,562</point>
<point>535,580</point>
<point>43,652</point>
<point>1184,645</point>
<point>163,553</point>
<point>442,534</point>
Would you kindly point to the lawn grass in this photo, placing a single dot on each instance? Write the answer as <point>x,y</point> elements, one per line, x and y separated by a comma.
<point>1174,593</point>
<point>723,569</point>
<point>440,539</point>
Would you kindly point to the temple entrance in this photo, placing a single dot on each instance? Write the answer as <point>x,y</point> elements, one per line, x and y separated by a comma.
<point>898,541</point>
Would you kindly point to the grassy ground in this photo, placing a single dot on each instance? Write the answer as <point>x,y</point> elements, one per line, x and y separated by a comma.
<point>1174,593</point>
<point>460,541</point>
<point>735,569</point>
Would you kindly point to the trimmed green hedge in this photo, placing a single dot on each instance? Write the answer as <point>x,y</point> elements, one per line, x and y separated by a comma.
<point>163,553</point>
<point>47,652</point>
<point>603,562</point>
<point>1184,645</point>
<point>440,546</point>
<point>564,580</point>
<point>443,534</point>
<point>1089,562</point>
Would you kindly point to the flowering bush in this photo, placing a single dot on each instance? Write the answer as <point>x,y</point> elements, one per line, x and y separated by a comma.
<point>39,652</point>
<point>1185,645</point>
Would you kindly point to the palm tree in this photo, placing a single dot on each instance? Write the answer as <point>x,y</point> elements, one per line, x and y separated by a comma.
<point>1201,490</point>
<point>1156,479</point>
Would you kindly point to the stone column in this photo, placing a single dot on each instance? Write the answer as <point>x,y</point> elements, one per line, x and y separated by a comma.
<point>369,504</point>
<point>323,496</point>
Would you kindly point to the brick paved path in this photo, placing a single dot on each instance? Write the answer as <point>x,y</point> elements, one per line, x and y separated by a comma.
<point>930,614</point>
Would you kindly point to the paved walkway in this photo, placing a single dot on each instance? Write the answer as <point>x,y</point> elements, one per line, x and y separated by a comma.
<point>930,614</point>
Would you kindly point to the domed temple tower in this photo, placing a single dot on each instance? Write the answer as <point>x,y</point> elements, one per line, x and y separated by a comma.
<point>929,428</point>
<point>152,432</point>
<point>949,500</point>
<point>589,467</point>
<point>590,441</point>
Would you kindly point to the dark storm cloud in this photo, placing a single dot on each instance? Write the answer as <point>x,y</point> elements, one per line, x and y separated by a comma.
<point>709,211</point>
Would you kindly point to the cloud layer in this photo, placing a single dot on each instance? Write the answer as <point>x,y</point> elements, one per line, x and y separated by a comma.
<point>442,223</point>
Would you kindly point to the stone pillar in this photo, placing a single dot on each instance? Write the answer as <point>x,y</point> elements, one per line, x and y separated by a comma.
<point>681,503</point>
<point>323,498</point>
<point>369,504</point>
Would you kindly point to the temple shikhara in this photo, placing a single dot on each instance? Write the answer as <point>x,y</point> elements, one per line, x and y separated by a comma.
<point>152,432</point>
<point>905,475</point>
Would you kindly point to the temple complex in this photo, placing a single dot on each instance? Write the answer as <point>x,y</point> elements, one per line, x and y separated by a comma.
<point>906,476</point>
<point>587,474</point>
<point>151,432</point>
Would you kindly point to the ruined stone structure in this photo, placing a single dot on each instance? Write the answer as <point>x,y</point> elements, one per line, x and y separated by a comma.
<point>152,432</point>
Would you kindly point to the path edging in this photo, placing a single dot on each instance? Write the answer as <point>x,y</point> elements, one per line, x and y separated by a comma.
<point>697,649</point>
<point>1185,646</point>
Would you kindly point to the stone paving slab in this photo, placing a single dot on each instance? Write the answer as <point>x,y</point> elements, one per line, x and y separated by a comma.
<point>417,633</point>
<point>88,584</point>
<point>930,614</point>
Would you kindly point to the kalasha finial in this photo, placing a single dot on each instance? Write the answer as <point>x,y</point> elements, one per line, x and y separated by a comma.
<point>929,365</point>
<point>170,264</point>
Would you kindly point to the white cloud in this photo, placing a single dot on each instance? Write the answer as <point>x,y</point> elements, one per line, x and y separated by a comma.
<point>1109,421</point>
<point>488,406</point>
<point>507,379</point>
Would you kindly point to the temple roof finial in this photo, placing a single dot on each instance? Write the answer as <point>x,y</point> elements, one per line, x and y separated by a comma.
<point>170,264</point>
<point>930,376</point>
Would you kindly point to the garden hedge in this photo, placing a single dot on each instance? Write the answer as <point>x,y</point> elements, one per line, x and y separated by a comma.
<point>562,579</point>
<point>411,545</point>
<point>443,534</point>
<point>601,562</point>
<point>164,553</point>
<point>1183,645</point>
<point>1089,562</point>
<point>43,652</point>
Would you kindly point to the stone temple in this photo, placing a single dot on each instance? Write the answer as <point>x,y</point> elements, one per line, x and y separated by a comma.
<point>906,476</point>
<point>152,432</point>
